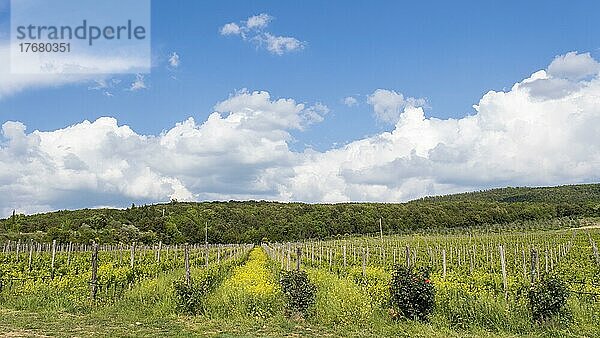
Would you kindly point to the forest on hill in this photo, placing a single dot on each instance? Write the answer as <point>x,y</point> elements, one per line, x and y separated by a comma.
<point>254,221</point>
<point>567,194</point>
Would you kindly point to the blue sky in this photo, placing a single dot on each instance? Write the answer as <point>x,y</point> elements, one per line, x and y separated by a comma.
<point>448,53</point>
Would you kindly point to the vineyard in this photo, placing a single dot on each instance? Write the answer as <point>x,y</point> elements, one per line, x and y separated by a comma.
<point>72,276</point>
<point>480,284</point>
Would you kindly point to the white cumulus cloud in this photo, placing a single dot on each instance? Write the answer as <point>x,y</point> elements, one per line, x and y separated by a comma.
<point>258,21</point>
<point>350,101</point>
<point>280,44</point>
<point>388,104</point>
<point>514,137</point>
<point>574,66</point>
<point>241,151</point>
<point>253,30</point>
<point>139,83</point>
<point>231,29</point>
<point>174,60</point>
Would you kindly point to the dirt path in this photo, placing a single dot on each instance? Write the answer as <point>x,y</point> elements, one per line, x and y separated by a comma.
<point>595,226</point>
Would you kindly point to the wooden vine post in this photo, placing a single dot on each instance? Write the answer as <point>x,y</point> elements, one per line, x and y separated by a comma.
<point>503,265</point>
<point>298,258</point>
<point>30,254</point>
<point>364,262</point>
<point>289,257</point>
<point>595,250</point>
<point>94,280</point>
<point>546,260</point>
<point>444,262</point>
<point>120,253</point>
<point>69,249</point>
<point>524,264</point>
<point>187,264</point>
<point>132,255</point>
<point>53,257</point>
<point>206,242</point>
<point>533,265</point>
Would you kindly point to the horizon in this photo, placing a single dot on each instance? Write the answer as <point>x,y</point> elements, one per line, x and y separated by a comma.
<point>297,202</point>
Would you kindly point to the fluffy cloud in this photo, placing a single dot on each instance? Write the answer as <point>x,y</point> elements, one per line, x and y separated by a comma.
<point>280,44</point>
<point>388,105</point>
<point>138,84</point>
<point>93,163</point>
<point>240,151</point>
<point>258,21</point>
<point>573,66</point>
<point>105,86</point>
<point>231,29</point>
<point>350,101</point>
<point>516,137</point>
<point>174,60</point>
<point>252,30</point>
<point>565,75</point>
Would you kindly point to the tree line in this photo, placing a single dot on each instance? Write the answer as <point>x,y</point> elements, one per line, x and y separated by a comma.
<point>255,221</point>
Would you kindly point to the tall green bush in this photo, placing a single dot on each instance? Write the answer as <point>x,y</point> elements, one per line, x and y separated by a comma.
<point>547,298</point>
<point>299,292</point>
<point>412,294</point>
<point>190,298</point>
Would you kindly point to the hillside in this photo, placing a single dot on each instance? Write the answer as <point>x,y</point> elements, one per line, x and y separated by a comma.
<point>583,193</point>
<point>251,221</point>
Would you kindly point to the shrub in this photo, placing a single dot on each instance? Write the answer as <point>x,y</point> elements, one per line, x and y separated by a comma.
<point>547,297</point>
<point>299,291</point>
<point>412,294</point>
<point>190,297</point>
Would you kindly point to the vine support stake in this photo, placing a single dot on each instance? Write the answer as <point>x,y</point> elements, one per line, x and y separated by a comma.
<point>187,265</point>
<point>364,262</point>
<point>53,257</point>
<point>132,256</point>
<point>533,265</point>
<point>159,250</point>
<point>503,265</point>
<point>206,241</point>
<point>69,249</point>
<point>298,258</point>
<point>30,254</point>
<point>380,230</point>
<point>94,281</point>
<point>594,249</point>
<point>444,262</point>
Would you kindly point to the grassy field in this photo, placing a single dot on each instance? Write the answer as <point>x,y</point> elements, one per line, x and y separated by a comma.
<point>246,300</point>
